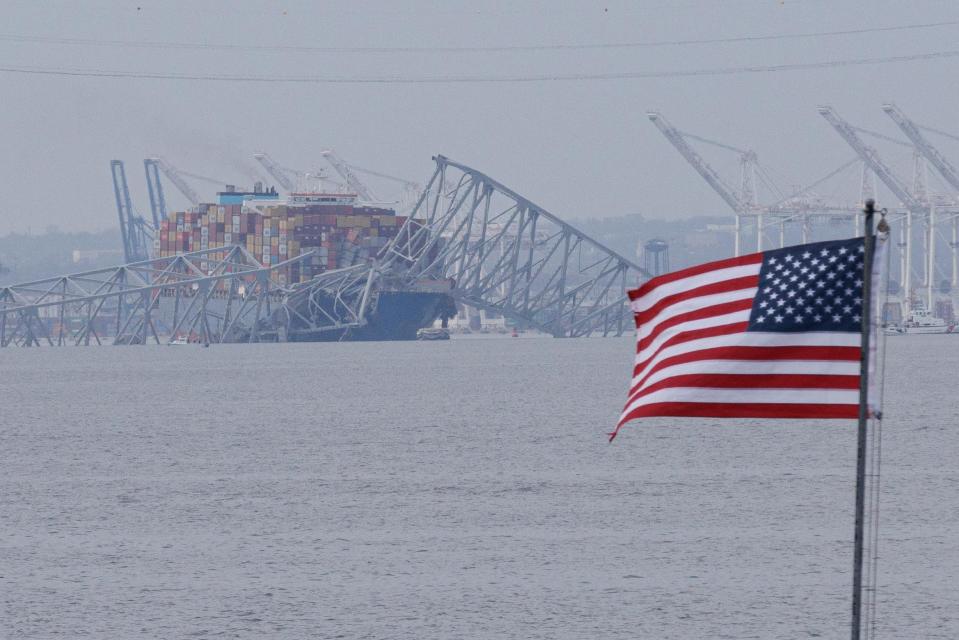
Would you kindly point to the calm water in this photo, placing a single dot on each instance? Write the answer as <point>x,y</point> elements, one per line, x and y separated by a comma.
<point>449,490</point>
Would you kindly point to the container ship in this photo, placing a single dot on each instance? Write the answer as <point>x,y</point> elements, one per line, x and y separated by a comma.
<point>339,231</point>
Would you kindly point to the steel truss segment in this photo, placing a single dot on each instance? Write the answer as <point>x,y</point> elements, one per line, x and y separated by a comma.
<point>506,254</point>
<point>220,287</point>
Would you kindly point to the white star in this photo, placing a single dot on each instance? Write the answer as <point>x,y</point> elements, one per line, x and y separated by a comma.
<point>838,300</point>
<point>798,318</point>
<point>857,317</point>
<point>846,309</point>
<point>773,296</point>
<point>862,249</point>
<point>818,300</point>
<point>831,275</point>
<point>815,261</point>
<point>808,309</point>
<point>804,270</point>
<point>783,286</point>
<point>848,291</point>
<point>852,257</point>
<point>837,318</point>
<point>806,255</point>
<point>780,302</point>
<point>779,267</point>
<point>828,308</point>
<point>820,284</point>
<point>791,294</point>
<point>802,285</point>
<point>779,318</point>
<point>772,261</point>
<point>793,278</point>
<point>777,280</point>
<point>818,318</point>
<point>841,266</point>
<point>789,309</point>
<point>832,258</point>
<point>822,267</point>
<point>767,289</point>
<point>842,250</point>
<point>824,253</point>
<point>788,258</point>
<point>760,319</point>
<point>763,304</point>
<point>859,283</point>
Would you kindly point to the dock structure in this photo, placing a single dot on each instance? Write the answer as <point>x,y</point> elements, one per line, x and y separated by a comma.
<point>926,260</point>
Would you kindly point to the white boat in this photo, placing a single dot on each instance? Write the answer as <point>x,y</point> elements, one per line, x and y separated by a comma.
<point>433,333</point>
<point>920,320</point>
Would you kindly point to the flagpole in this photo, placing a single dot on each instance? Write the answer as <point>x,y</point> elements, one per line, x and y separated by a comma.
<point>870,248</point>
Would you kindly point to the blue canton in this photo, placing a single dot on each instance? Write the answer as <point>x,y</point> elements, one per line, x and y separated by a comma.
<point>810,287</point>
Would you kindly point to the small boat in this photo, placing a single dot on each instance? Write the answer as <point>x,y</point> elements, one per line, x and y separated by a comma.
<point>179,340</point>
<point>433,333</point>
<point>919,320</point>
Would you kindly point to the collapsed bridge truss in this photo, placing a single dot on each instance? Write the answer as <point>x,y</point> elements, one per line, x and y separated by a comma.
<point>497,250</point>
<point>508,255</point>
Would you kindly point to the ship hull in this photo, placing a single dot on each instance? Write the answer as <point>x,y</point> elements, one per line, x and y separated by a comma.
<point>398,316</point>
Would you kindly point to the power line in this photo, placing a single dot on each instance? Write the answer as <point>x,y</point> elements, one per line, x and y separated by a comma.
<point>472,79</point>
<point>479,49</point>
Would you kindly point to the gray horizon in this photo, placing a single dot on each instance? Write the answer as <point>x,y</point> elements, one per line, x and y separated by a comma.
<point>582,149</point>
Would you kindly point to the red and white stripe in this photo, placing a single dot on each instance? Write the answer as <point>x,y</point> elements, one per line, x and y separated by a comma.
<point>694,356</point>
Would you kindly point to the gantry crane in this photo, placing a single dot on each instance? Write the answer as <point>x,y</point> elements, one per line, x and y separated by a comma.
<point>134,230</point>
<point>942,165</point>
<point>914,205</point>
<point>155,190</point>
<point>743,202</point>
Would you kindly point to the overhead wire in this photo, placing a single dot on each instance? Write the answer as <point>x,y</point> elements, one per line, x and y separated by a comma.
<point>472,79</point>
<point>467,49</point>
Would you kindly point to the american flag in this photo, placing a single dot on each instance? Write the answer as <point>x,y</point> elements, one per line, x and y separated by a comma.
<point>775,334</point>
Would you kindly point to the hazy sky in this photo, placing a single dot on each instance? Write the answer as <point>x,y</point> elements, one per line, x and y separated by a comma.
<point>578,148</point>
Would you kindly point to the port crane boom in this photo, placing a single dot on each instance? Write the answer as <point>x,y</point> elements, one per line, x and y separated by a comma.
<point>346,172</point>
<point>173,175</point>
<point>872,160</point>
<point>678,140</point>
<point>929,152</point>
<point>278,173</point>
<point>742,203</point>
